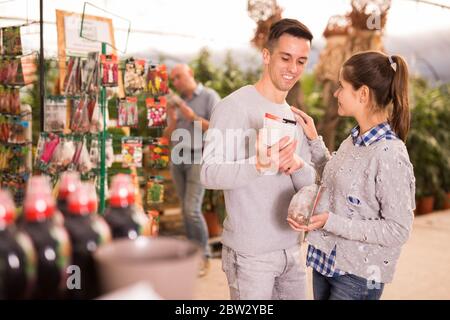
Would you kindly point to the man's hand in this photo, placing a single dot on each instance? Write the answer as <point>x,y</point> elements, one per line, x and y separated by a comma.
<point>187,112</point>
<point>280,157</point>
<point>287,160</point>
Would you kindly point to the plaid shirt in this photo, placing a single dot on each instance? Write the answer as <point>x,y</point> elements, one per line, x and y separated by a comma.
<point>317,259</point>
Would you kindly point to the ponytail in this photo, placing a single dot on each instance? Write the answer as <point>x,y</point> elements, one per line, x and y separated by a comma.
<point>400,117</point>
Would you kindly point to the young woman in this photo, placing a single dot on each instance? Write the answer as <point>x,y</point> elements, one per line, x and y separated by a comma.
<point>368,204</point>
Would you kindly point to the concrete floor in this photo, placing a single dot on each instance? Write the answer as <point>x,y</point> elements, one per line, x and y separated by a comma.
<point>423,271</point>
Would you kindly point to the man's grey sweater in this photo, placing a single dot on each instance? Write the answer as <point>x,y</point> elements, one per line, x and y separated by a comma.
<point>256,204</point>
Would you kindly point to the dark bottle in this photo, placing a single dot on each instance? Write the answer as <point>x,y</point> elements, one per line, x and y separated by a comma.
<point>16,254</point>
<point>124,218</point>
<point>69,183</point>
<point>50,241</point>
<point>86,231</point>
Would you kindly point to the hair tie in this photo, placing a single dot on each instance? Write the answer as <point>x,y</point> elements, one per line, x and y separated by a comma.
<point>393,64</point>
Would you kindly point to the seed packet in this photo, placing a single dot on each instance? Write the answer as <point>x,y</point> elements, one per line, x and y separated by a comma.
<point>276,127</point>
<point>72,82</point>
<point>80,116</point>
<point>55,115</point>
<point>110,70</point>
<point>159,153</point>
<point>94,153</point>
<point>134,76</point>
<point>131,152</point>
<point>90,73</point>
<point>156,111</point>
<point>12,44</point>
<point>155,191</point>
<point>17,131</point>
<point>128,112</point>
<point>157,80</point>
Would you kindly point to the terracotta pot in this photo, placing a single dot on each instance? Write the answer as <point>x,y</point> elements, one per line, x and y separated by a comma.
<point>168,265</point>
<point>447,202</point>
<point>213,223</point>
<point>425,205</point>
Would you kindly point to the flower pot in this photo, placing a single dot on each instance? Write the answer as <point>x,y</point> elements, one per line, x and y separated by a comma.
<point>213,223</point>
<point>447,201</point>
<point>425,205</point>
<point>168,265</point>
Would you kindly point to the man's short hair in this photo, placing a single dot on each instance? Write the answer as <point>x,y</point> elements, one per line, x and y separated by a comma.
<point>290,26</point>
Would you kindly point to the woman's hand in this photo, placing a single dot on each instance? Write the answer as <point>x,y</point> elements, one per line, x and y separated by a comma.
<point>315,222</point>
<point>306,122</point>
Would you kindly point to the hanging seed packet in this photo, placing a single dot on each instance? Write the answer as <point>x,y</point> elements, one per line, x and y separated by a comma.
<point>90,72</point>
<point>132,112</point>
<point>128,112</point>
<point>55,115</point>
<point>94,153</point>
<point>156,111</point>
<point>80,116</point>
<point>12,44</point>
<point>18,131</point>
<point>131,152</point>
<point>134,76</point>
<point>159,153</point>
<point>14,103</point>
<point>110,70</point>
<point>155,191</point>
<point>11,72</point>
<point>121,112</point>
<point>72,82</point>
<point>157,80</point>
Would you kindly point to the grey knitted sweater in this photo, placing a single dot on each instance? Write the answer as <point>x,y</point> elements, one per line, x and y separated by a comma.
<point>370,196</point>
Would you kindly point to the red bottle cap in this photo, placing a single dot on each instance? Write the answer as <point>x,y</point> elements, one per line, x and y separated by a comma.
<point>122,191</point>
<point>78,203</point>
<point>7,209</point>
<point>70,182</point>
<point>93,199</point>
<point>38,207</point>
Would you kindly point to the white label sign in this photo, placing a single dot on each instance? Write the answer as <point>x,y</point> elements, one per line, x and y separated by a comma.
<point>94,33</point>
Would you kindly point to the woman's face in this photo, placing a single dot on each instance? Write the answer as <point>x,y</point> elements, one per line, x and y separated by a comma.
<point>349,101</point>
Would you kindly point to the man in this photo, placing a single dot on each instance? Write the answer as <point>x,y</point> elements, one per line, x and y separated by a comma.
<point>261,255</point>
<point>190,116</point>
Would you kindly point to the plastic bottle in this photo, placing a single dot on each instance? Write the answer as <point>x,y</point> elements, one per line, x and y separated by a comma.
<point>50,240</point>
<point>16,254</point>
<point>82,224</point>
<point>124,218</point>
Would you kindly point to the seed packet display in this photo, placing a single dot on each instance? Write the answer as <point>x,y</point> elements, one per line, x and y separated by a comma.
<point>55,115</point>
<point>134,76</point>
<point>132,152</point>
<point>11,42</point>
<point>156,111</point>
<point>110,70</point>
<point>157,80</point>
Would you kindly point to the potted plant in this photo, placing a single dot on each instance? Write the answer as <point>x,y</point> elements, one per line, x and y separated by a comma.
<point>425,145</point>
<point>214,211</point>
